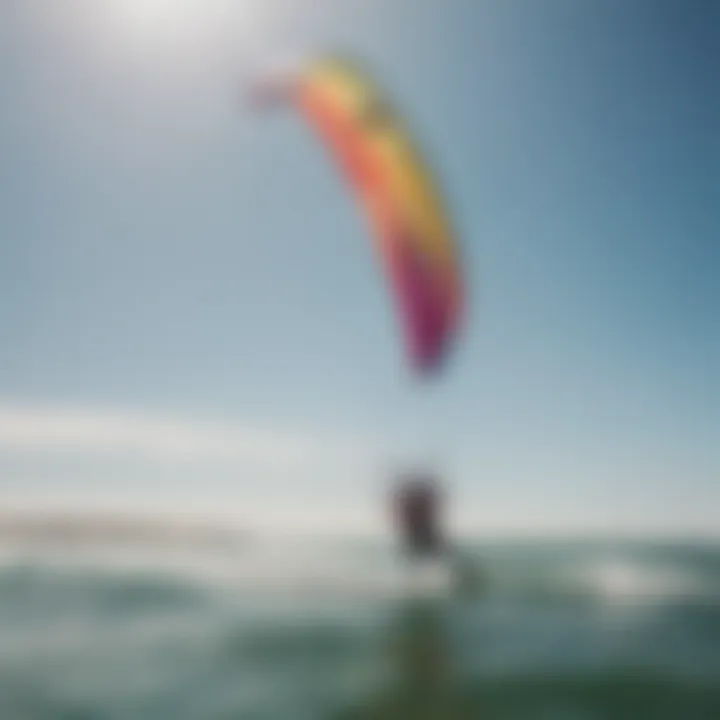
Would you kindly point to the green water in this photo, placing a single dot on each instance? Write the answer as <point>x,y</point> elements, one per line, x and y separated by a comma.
<point>563,631</point>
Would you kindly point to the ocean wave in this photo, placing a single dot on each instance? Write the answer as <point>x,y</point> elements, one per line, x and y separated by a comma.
<point>284,631</point>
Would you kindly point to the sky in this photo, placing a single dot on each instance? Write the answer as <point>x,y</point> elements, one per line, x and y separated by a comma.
<point>192,319</point>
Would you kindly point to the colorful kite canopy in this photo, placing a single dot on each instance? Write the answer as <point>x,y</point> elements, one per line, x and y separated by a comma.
<point>396,190</point>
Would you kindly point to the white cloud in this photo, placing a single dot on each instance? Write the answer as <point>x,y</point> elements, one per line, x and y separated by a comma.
<point>165,439</point>
<point>86,460</point>
<point>74,457</point>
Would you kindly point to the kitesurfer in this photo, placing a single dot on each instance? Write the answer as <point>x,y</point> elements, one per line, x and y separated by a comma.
<point>417,510</point>
<point>417,515</point>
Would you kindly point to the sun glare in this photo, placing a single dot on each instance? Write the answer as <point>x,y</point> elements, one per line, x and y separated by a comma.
<point>158,11</point>
<point>169,16</point>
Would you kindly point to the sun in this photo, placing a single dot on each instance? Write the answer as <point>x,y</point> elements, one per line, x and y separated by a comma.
<point>171,18</point>
<point>159,13</point>
<point>172,38</point>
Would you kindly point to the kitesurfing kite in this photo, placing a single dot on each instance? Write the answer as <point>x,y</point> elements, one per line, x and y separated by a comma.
<point>396,190</point>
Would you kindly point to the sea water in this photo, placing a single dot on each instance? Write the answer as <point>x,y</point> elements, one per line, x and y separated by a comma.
<point>316,629</point>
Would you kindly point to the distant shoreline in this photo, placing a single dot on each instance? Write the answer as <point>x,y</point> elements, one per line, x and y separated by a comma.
<point>68,528</point>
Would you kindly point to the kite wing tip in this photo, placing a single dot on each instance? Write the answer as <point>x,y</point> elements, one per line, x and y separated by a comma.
<point>268,92</point>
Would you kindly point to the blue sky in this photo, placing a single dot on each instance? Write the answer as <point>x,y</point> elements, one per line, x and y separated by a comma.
<point>192,316</point>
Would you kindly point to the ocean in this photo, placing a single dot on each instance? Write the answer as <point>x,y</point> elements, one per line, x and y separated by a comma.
<point>300,629</point>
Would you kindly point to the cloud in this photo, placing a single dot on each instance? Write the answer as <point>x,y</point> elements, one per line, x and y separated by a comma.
<point>166,439</point>
<point>86,459</point>
<point>78,458</point>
